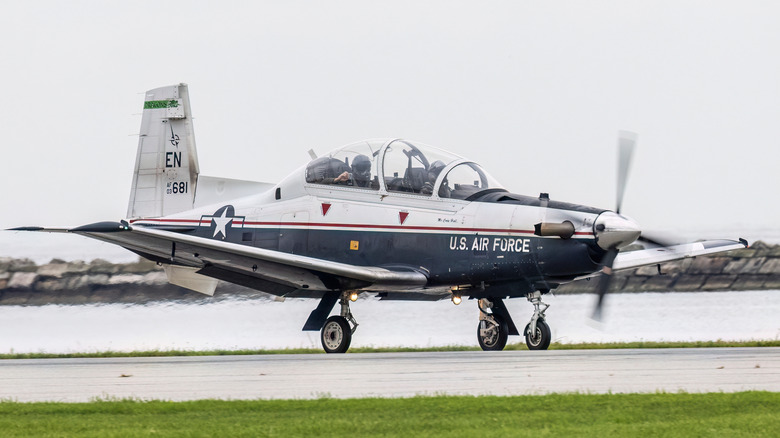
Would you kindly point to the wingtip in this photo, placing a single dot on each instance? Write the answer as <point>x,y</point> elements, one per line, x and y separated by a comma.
<point>25,229</point>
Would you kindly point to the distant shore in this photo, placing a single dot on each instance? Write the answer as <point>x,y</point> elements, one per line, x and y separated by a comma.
<point>23,282</point>
<point>753,268</point>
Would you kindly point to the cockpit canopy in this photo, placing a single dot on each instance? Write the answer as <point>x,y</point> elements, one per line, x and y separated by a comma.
<point>400,166</point>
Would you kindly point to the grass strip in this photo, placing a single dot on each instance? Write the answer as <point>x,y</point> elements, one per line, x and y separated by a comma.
<point>517,346</point>
<point>753,414</point>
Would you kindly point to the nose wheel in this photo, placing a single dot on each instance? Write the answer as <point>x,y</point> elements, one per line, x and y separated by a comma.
<point>538,339</point>
<point>336,333</point>
<point>537,332</point>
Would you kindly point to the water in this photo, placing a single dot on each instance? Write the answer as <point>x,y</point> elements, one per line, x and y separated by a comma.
<point>42,247</point>
<point>256,324</point>
<point>262,324</point>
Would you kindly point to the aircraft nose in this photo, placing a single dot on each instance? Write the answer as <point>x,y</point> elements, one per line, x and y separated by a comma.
<point>615,231</point>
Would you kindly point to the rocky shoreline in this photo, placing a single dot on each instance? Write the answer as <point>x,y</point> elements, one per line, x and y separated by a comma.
<point>754,268</point>
<point>22,282</point>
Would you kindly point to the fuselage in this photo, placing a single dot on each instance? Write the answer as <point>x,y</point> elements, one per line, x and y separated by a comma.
<point>455,242</point>
<point>399,205</point>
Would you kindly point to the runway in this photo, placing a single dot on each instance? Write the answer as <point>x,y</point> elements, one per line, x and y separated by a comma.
<point>391,374</point>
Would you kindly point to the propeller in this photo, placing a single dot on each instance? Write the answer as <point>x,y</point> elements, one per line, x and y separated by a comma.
<point>626,146</point>
<point>659,240</point>
<point>614,231</point>
<point>604,281</point>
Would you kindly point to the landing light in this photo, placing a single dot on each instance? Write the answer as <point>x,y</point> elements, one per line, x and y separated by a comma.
<point>456,299</point>
<point>353,296</point>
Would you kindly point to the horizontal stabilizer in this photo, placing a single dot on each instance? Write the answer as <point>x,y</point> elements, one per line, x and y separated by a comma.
<point>212,190</point>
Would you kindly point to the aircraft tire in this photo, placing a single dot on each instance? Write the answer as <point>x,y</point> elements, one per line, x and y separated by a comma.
<point>336,335</point>
<point>496,342</point>
<point>542,339</point>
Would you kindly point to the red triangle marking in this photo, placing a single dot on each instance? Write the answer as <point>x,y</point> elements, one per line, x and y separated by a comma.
<point>402,215</point>
<point>325,208</point>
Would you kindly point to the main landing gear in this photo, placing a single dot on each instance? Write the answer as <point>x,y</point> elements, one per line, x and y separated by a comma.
<point>336,333</point>
<point>495,324</point>
<point>493,330</point>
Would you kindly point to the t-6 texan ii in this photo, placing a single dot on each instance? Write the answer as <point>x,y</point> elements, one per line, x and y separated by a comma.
<point>392,218</point>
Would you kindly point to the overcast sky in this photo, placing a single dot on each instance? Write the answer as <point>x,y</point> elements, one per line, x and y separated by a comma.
<point>534,91</point>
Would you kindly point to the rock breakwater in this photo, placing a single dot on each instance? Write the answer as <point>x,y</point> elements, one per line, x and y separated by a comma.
<point>754,268</point>
<point>22,282</point>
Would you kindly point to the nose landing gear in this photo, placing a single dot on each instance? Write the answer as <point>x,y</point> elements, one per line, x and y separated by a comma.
<point>336,333</point>
<point>537,332</point>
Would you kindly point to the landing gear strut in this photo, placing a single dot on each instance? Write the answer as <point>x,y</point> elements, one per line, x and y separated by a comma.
<point>495,324</point>
<point>336,333</point>
<point>537,332</point>
<point>493,330</point>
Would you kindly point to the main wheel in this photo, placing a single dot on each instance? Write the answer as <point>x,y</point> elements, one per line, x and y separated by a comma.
<point>539,340</point>
<point>336,335</point>
<point>492,335</point>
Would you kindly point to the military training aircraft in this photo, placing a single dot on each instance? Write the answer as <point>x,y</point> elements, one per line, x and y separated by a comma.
<point>393,218</point>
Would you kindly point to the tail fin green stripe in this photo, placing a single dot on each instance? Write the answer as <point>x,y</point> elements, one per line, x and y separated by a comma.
<point>153,104</point>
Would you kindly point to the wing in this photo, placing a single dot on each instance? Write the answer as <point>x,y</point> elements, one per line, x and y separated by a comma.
<point>661,254</point>
<point>190,261</point>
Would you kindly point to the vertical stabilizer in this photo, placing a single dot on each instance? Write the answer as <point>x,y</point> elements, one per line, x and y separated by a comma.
<point>166,166</point>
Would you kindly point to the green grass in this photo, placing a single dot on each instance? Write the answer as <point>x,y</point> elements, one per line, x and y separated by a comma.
<point>753,414</point>
<point>516,346</point>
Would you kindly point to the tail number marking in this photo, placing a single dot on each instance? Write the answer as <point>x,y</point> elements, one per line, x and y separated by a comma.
<point>176,187</point>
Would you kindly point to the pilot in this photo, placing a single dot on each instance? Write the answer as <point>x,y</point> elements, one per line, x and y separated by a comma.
<point>341,179</point>
<point>361,171</point>
<point>433,172</point>
<point>327,170</point>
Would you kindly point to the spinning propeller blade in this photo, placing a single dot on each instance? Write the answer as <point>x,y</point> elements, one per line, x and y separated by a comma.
<point>604,281</point>
<point>626,146</point>
<point>657,239</point>
<point>622,231</point>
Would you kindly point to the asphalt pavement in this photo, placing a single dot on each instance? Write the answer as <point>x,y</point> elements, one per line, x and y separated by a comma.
<point>310,376</point>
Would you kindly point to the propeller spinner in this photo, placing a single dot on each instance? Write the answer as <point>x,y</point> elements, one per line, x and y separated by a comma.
<point>615,231</point>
